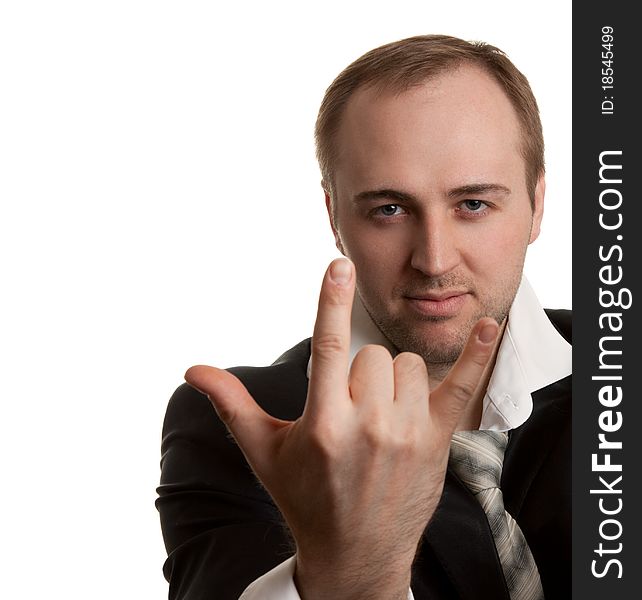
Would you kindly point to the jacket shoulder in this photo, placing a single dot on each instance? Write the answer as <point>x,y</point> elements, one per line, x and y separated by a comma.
<point>280,389</point>
<point>214,513</point>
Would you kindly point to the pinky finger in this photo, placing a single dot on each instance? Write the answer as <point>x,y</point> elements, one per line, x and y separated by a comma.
<point>454,393</point>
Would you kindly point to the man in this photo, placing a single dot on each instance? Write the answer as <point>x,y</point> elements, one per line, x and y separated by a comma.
<point>432,160</point>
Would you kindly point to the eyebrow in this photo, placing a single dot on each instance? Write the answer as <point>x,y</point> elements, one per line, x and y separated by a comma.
<point>478,188</point>
<point>463,190</point>
<point>386,193</point>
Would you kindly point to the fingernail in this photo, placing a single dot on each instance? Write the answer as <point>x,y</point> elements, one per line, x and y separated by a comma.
<point>340,271</point>
<point>487,333</point>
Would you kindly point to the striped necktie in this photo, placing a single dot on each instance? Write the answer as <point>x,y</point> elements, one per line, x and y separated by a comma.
<point>477,457</point>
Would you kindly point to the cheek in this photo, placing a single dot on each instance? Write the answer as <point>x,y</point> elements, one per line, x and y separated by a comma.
<point>377,262</point>
<point>372,245</point>
<point>510,255</point>
<point>379,258</point>
<point>498,250</point>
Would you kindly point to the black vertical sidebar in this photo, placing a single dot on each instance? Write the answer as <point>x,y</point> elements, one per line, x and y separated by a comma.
<point>607,268</point>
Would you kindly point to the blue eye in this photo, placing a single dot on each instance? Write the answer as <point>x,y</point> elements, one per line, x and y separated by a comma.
<point>474,205</point>
<point>389,210</point>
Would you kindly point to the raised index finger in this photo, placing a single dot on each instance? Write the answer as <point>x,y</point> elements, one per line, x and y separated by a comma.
<point>331,339</point>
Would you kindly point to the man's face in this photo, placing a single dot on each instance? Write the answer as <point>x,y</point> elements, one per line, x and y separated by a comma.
<point>432,208</point>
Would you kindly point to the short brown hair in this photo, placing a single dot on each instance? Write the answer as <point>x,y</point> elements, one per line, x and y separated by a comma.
<point>400,65</point>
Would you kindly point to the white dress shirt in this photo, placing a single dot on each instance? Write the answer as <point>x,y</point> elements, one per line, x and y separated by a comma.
<point>531,355</point>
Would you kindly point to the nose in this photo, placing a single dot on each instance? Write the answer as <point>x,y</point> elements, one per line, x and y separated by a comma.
<point>435,246</point>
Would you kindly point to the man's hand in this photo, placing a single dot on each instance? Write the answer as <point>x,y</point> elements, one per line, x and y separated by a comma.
<point>358,476</point>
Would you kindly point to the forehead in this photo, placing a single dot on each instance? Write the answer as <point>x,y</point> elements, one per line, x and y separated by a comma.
<point>457,126</point>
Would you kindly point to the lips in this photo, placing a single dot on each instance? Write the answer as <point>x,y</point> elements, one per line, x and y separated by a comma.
<point>438,304</point>
<point>437,296</point>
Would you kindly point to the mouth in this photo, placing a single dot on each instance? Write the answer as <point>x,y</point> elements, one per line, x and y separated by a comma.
<point>442,304</point>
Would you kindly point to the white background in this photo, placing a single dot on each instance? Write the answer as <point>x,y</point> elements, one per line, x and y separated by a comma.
<point>160,206</point>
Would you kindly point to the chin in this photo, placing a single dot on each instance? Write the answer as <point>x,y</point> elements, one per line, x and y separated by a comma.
<point>435,340</point>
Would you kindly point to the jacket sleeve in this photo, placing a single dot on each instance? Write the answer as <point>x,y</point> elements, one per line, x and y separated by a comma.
<point>221,528</point>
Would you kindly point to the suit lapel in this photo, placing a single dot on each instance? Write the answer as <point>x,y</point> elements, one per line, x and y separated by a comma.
<point>460,538</point>
<point>531,443</point>
<point>459,535</point>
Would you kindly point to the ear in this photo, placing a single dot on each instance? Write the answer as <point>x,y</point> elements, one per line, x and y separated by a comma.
<point>538,208</point>
<point>333,225</point>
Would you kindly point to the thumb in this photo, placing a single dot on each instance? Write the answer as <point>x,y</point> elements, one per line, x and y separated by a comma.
<point>250,425</point>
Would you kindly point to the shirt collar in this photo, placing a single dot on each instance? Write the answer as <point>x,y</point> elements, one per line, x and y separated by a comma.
<point>531,355</point>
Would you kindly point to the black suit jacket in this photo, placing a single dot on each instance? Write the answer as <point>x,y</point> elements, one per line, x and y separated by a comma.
<point>222,530</point>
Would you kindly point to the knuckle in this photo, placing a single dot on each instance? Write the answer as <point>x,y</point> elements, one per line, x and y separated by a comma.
<point>409,442</point>
<point>376,435</point>
<point>387,438</point>
<point>324,439</point>
<point>336,296</point>
<point>463,390</point>
<point>410,363</point>
<point>411,376</point>
<point>328,343</point>
<point>370,362</point>
<point>372,353</point>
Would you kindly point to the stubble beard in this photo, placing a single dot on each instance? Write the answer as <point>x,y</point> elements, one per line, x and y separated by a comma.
<point>407,334</point>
